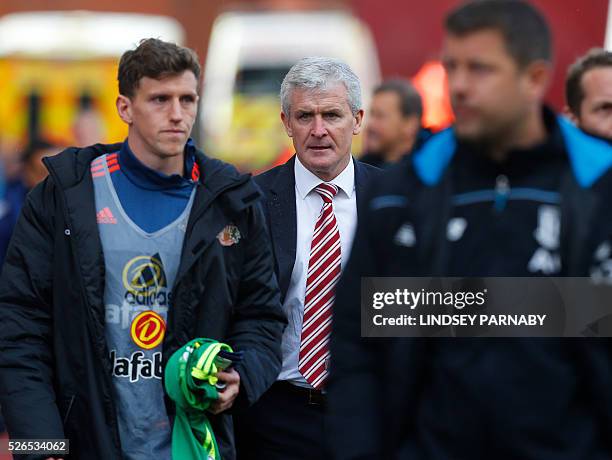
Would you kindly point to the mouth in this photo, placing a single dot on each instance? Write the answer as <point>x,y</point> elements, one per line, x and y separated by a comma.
<point>173,131</point>
<point>464,112</point>
<point>319,148</point>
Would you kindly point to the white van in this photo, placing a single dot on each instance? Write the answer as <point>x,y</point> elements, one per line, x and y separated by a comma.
<point>248,56</point>
<point>608,39</point>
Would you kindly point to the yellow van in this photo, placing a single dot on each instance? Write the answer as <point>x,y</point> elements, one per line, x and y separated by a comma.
<point>53,65</point>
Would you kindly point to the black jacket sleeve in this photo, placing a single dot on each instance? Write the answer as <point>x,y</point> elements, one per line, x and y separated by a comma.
<point>258,321</point>
<point>27,396</point>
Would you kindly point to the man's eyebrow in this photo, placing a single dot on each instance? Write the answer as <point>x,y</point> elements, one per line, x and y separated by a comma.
<point>604,104</point>
<point>158,93</point>
<point>169,93</point>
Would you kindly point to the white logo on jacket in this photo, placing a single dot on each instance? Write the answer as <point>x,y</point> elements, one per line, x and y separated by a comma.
<point>545,259</point>
<point>405,236</point>
<point>601,270</point>
<point>456,228</point>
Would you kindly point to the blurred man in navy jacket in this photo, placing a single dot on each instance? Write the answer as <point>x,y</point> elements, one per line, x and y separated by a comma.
<point>511,190</point>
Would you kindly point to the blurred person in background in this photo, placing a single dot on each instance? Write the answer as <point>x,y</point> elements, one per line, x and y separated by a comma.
<point>10,156</point>
<point>588,93</point>
<point>513,190</point>
<point>34,170</point>
<point>394,123</point>
<point>114,236</point>
<point>31,173</point>
<point>88,127</point>
<point>311,210</point>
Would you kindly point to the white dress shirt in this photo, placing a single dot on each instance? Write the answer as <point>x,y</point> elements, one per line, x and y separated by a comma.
<point>308,204</point>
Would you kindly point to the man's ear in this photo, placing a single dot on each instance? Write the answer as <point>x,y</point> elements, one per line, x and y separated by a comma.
<point>411,125</point>
<point>285,120</point>
<point>124,108</point>
<point>569,114</point>
<point>358,122</point>
<point>539,77</point>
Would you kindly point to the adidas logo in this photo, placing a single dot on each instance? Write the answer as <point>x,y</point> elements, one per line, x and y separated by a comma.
<point>105,216</point>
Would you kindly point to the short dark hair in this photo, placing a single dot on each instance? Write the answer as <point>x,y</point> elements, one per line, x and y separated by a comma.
<point>410,99</point>
<point>574,94</point>
<point>156,59</point>
<point>524,28</point>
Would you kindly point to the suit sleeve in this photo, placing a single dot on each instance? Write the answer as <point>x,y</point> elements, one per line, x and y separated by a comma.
<point>259,321</point>
<point>27,396</point>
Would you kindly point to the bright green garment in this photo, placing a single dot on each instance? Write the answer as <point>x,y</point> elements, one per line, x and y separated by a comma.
<point>190,379</point>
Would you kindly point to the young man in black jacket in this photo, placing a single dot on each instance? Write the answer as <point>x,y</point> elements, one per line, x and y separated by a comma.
<point>510,190</point>
<point>120,257</point>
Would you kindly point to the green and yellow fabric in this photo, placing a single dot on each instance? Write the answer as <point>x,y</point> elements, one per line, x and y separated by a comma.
<point>190,379</point>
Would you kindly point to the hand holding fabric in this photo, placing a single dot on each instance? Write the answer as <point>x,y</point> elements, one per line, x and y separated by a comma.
<point>227,395</point>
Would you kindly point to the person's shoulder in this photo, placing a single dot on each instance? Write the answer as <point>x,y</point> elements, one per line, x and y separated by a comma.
<point>218,174</point>
<point>268,178</point>
<point>425,167</point>
<point>70,165</point>
<point>366,168</point>
<point>211,167</point>
<point>372,159</point>
<point>400,177</point>
<point>237,191</point>
<point>590,156</point>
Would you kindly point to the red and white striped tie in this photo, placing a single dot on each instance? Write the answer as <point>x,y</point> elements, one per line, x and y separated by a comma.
<point>323,273</point>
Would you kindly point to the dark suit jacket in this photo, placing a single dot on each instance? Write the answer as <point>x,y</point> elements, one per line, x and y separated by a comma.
<point>278,185</point>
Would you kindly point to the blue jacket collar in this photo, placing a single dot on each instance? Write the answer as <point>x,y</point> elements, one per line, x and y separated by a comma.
<point>590,157</point>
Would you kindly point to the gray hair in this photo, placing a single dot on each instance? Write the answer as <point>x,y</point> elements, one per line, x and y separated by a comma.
<point>317,73</point>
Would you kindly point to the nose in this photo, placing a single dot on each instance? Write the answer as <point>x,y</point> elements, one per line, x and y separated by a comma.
<point>458,82</point>
<point>319,129</point>
<point>176,111</point>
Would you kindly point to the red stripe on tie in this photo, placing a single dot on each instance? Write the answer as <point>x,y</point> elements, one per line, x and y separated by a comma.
<point>322,275</point>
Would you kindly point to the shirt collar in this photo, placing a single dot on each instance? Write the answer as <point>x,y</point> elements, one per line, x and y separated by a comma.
<point>146,177</point>
<point>306,181</point>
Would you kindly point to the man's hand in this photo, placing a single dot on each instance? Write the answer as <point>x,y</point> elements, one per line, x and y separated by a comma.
<point>226,396</point>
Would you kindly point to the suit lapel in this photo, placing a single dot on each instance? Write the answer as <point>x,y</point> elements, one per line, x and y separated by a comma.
<point>361,176</point>
<point>283,222</point>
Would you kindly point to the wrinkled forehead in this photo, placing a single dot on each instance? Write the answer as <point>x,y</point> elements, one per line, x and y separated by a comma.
<point>332,94</point>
